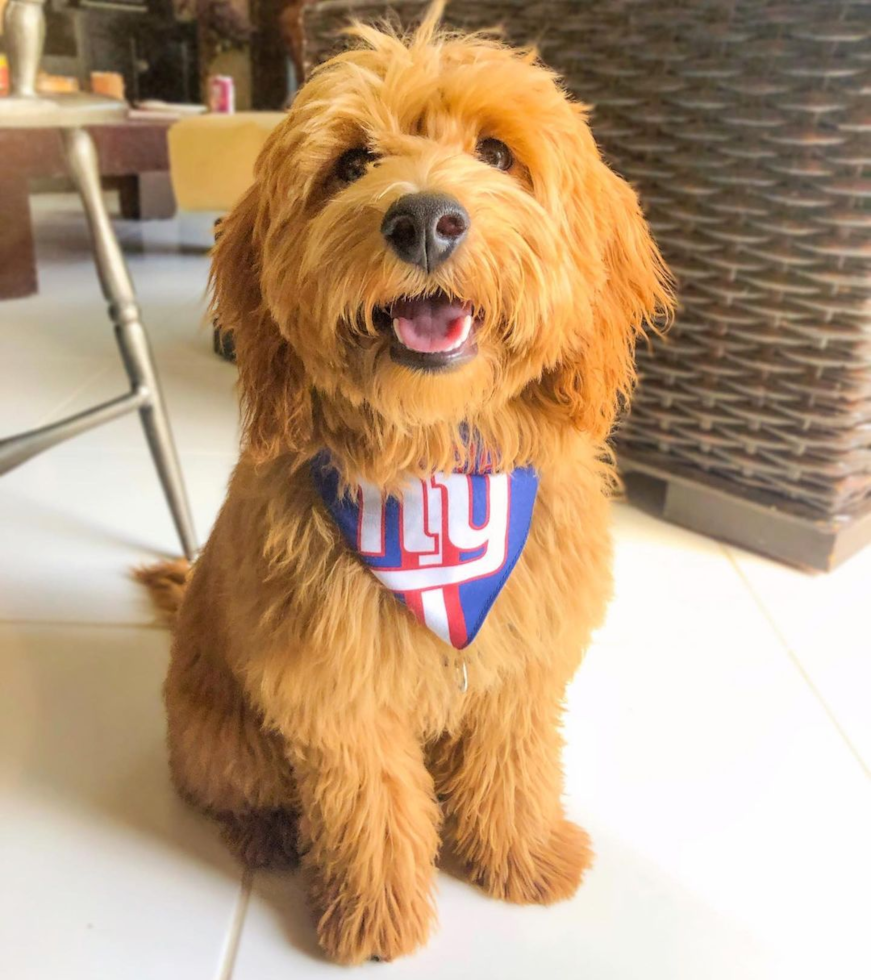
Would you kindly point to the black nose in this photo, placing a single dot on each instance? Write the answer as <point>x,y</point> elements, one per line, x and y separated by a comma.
<point>424,229</point>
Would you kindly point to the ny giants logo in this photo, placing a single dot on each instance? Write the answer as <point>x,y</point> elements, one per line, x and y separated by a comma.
<point>443,533</point>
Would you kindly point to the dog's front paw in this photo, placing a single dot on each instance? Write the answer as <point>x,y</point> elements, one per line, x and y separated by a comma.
<point>383,927</point>
<point>541,873</point>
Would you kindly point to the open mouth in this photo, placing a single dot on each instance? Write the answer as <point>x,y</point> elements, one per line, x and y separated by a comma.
<point>429,333</point>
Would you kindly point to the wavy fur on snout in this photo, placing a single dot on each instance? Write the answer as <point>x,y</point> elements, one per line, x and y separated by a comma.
<point>306,705</point>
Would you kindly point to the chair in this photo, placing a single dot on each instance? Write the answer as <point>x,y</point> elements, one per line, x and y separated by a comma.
<point>24,27</point>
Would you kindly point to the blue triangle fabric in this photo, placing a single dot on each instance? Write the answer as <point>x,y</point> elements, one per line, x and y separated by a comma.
<point>445,548</point>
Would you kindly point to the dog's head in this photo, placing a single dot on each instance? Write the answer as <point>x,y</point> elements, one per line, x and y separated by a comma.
<point>432,245</point>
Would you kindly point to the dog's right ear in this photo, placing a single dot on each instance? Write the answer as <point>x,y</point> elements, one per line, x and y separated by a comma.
<point>276,397</point>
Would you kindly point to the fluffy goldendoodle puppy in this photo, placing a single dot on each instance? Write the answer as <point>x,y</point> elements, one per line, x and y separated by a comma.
<point>434,285</point>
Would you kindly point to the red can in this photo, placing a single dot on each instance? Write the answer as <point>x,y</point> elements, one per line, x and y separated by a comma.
<point>222,93</point>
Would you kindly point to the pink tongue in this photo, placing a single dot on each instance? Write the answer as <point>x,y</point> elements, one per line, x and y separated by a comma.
<point>429,325</point>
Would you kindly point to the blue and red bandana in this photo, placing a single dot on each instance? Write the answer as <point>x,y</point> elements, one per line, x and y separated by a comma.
<point>445,547</point>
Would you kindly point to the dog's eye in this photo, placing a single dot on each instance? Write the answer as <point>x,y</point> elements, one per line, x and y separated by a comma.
<point>495,153</point>
<point>352,164</point>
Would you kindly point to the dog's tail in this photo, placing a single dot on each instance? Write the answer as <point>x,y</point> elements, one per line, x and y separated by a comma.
<point>166,583</point>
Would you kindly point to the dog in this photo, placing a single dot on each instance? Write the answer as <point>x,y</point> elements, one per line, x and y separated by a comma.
<point>435,285</point>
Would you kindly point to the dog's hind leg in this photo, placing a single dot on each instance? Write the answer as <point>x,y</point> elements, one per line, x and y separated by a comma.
<point>225,763</point>
<point>262,838</point>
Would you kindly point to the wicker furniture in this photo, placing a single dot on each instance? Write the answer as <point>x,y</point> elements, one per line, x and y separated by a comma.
<point>746,127</point>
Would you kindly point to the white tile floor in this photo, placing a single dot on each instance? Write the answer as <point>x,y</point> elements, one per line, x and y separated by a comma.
<point>719,733</point>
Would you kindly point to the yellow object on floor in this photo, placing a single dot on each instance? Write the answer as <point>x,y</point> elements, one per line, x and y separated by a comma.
<point>211,157</point>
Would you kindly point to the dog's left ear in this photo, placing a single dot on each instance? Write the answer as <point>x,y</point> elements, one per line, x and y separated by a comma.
<point>595,379</point>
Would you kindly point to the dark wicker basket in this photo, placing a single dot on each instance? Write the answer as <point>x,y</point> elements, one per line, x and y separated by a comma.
<point>746,127</point>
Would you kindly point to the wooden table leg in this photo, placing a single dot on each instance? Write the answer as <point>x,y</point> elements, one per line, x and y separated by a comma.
<point>17,252</point>
<point>146,195</point>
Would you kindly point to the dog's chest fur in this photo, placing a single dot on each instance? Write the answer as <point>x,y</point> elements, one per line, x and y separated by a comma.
<point>319,614</point>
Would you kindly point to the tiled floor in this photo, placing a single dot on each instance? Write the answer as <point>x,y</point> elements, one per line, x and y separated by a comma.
<point>719,733</point>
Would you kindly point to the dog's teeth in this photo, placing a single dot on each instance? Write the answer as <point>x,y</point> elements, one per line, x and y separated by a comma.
<point>396,328</point>
<point>464,333</point>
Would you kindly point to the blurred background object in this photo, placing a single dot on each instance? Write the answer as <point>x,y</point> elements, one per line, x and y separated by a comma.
<point>197,142</point>
<point>109,83</point>
<point>151,44</point>
<point>132,157</point>
<point>48,84</point>
<point>222,94</point>
<point>66,119</point>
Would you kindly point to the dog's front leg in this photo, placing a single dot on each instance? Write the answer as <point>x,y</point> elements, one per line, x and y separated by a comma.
<point>501,781</point>
<point>370,834</point>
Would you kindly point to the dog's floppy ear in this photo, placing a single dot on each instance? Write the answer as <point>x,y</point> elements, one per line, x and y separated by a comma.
<point>276,397</point>
<point>593,382</point>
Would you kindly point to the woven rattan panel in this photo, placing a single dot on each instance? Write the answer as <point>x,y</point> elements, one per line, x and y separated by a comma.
<point>746,127</point>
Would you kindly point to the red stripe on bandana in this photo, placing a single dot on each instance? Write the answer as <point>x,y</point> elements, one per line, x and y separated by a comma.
<point>456,617</point>
<point>415,604</point>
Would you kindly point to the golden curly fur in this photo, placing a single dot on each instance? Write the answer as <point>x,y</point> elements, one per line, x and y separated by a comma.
<point>306,706</point>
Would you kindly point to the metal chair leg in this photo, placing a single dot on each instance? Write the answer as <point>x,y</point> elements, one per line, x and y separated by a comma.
<point>81,157</point>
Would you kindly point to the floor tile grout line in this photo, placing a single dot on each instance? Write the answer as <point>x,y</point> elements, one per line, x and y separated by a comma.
<point>784,642</point>
<point>129,451</point>
<point>53,415</point>
<point>85,624</point>
<point>234,934</point>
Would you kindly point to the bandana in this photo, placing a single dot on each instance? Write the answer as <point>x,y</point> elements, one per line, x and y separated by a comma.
<point>445,547</point>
